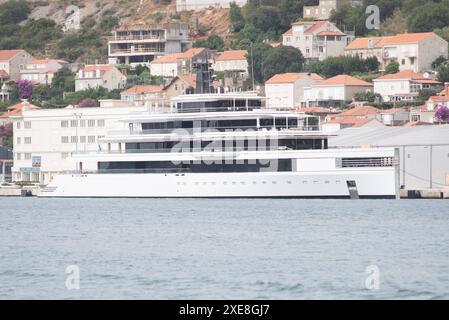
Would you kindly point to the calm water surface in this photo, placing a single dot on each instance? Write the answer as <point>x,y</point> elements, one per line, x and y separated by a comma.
<point>214,249</point>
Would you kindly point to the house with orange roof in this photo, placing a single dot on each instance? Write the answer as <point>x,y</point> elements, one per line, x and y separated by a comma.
<point>232,60</point>
<point>41,71</point>
<point>426,112</point>
<point>323,10</point>
<point>186,84</point>
<point>12,61</point>
<point>403,86</point>
<point>16,110</point>
<point>142,93</point>
<point>173,65</point>
<point>341,123</point>
<point>317,39</point>
<point>413,51</point>
<point>99,75</point>
<point>285,91</point>
<point>334,91</point>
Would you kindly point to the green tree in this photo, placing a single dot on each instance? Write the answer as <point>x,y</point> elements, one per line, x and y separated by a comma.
<point>392,67</point>
<point>236,16</point>
<point>214,42</point>
<point>282,59</point>
<point>14,12</point>
<point>443,73</point>
<point>426,18</point>
<point>257,52</point>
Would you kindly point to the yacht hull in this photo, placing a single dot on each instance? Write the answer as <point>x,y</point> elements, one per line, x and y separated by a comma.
<point>372,183</point>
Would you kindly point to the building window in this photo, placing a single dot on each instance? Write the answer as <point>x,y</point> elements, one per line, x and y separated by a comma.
<point>91,139</point>
<point>18,156</point>
<point>83,139</point>
<point>74,123</point>
<point>403,61</point>
<point>100,123</point>
<point>27,156</point>
<point>64,124</point>
<point>91,123</point>
<point>27,124</point>
<point>18,125</point>
<point>27,140</point>
<point>19,140</point>
<point>82,123</point>
<point>64,155</point>
<point>73,139</point>
<point>64,139</point>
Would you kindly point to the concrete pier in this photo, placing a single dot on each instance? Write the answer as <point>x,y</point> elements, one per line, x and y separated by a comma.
<point>15,191</point>
<point>425,194</point>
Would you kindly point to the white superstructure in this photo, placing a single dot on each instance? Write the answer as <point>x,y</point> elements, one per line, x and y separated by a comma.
<point>222,145</point>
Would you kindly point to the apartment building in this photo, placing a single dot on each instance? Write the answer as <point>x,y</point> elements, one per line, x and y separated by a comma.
<point>317,39</point>
<point>45,139</point>
<point>176,64</point>
<point>100,75</point>
<point>195,5</point>
<point>403,86</point>
<point>141,44</point>
<point>285,91</point>
<point>334,91</point>
<point>413,51</point>
<point>325,7</point>
<point>12,62</point>
<point>41,71</point>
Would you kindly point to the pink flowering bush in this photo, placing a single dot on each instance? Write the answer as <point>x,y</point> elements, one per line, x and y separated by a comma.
<point>87,103</point>
<point>442,113</point>
<point>25,89</point>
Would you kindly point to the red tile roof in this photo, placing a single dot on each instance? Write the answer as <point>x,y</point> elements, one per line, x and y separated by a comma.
<point>3,74</point>
<point>140,89</point>
<point>379,42</point>
<point>232,55</point>
<point>16,110</point>
<point>6,55</point>
<point>348,120</point>
<point>170,58</point>
<point>360,111</point>
<point>291,77</point>
<point>45,61</point>
<point>289,32</point>
<point>101,67</point>
<point>344,80</point>
<point>406,75</point>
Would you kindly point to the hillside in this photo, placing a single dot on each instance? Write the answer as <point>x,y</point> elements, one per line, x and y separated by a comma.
<point>214,21</point>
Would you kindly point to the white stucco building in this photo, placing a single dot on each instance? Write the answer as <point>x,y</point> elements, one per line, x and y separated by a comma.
<point>232,60</point>
<point>334,91</point>
<point>44,140</point>
<point>413,51</point>
<point>285,91</point>
<point>41,71</point>
<point>12,62</point>
<point>173,65</point>
<point>317,39</point>
<point>403,86</point>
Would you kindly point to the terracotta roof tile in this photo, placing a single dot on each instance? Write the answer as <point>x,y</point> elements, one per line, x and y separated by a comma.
<point>101,67</point>
<point>291,77</point>
<point>170,58</point>
<point>360,111</point>
<point>348,120</point>
<point>16,110</point>
<point>140,89</point>
<point>4,74</point>
<point>378,42</point>
<point>403,75</point>
<point>344,80</point>
<point>232,55</point>
<point>6,55</point>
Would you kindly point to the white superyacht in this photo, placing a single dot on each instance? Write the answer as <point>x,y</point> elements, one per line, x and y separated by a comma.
<point>226,146</point>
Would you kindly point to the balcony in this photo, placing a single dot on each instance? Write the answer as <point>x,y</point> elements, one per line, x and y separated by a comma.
<point>136,38</point>
<point>136,51</point>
